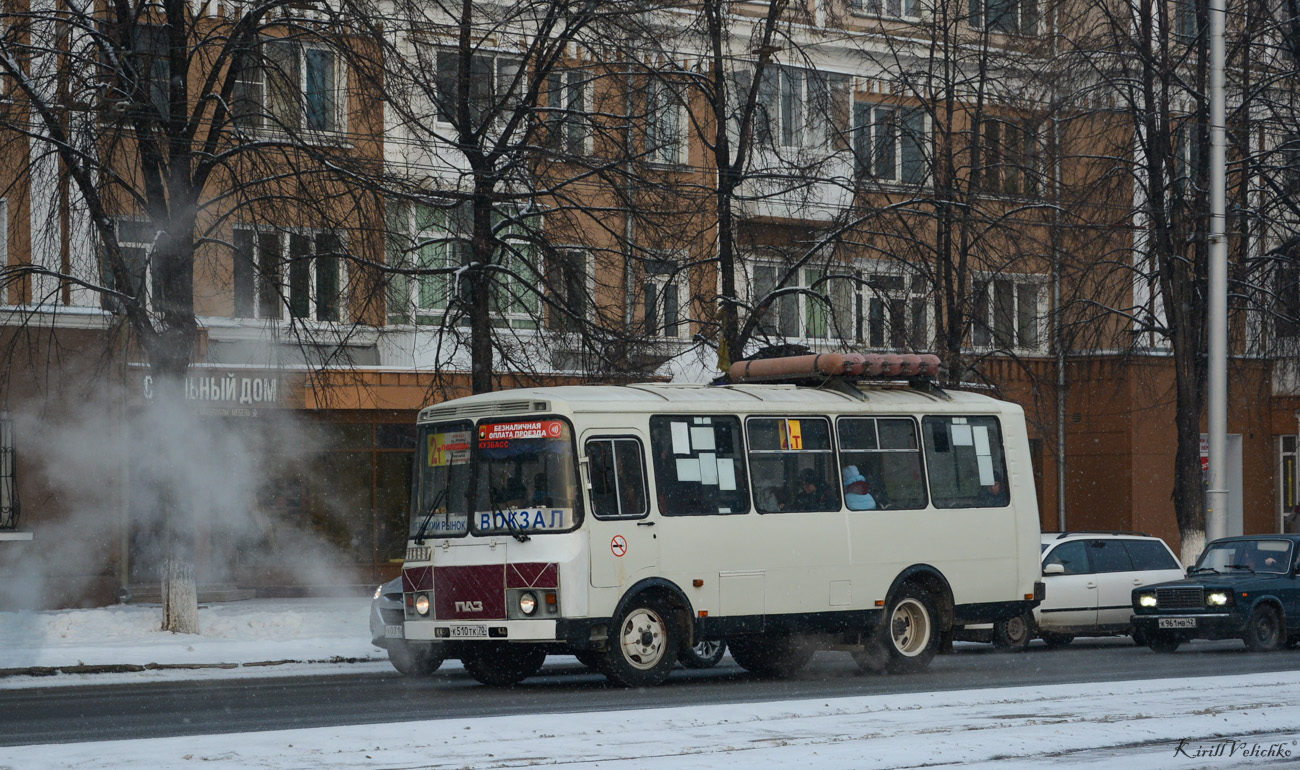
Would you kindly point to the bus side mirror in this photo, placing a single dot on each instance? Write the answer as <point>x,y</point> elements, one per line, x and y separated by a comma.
<point>1054,569</point>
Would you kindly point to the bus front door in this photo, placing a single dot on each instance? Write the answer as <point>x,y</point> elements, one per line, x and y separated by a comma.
<point>624,543</point>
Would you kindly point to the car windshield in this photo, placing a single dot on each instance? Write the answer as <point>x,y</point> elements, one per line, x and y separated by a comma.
<point>1262,555</point>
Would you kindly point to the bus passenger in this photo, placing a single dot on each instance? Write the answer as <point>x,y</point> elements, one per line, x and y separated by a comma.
<point>813,493</point>
<point>857,495</point>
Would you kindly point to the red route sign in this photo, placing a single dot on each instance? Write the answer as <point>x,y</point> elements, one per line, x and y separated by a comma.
<point>618,545</point>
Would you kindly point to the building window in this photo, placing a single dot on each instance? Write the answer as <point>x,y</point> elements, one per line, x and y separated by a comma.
<point>1007,314</point>
<point>791,110</point>
<point>492,86</point>
<point>424,238</point>
<point>893,312</point>
<point>1010,17</point>
<point>300,271</point>
<point>665,139</point>
<point>568,110</point>
<point>889,143</point>
<point>1288,493</point>
<point>1286,304</point>
<point>135,276</point>
<point>665,293</point>
<point>894,9</point>
<point>819,308</point>
<point>8,477</point>
<point>291,86</point>
<point>1187,22</point>
<point>153,71</point>
<point>515,300</point>
<point>566,281</point>
<point>1012,159</point>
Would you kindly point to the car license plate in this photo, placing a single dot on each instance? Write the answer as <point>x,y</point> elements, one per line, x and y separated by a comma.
<point>393,632</point>
<point>468,631</point>
<point>1177,623</point>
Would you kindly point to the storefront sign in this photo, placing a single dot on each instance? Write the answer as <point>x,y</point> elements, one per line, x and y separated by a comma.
<point>228,394</point>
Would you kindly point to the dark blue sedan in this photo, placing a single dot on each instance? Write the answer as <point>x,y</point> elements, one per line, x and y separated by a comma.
<point>1241,588</point>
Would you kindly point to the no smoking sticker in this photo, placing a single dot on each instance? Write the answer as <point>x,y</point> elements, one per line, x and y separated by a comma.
<point>618,545</point>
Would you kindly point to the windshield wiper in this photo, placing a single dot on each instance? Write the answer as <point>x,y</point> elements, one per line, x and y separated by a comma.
<point>428,517</point>
<point>515,532</point>
<point>1240,566</point>
<point>1194,570</point>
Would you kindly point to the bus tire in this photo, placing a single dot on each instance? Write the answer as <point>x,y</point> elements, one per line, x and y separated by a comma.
<point>503,664</point>
<point>588,658</point>
<point>910,631</point>
<point>1013,634</point>
<point>414,659</point>
<point>779,656</point>
<point>643,647</point>
<point>705,654</point>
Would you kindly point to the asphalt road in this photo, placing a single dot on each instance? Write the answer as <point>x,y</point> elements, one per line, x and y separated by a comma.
<point>103,712</point>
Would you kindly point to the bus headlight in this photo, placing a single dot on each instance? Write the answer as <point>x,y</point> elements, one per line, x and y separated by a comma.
<point>527,603</point>
<point>422,604</point>
<point>1146,600</point>
<point>1216,599</point>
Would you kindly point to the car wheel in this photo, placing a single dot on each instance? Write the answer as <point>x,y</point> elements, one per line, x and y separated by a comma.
<point>1013,634</point>
<point>1163,641</point>
<point>1264,631</point>
<point>1055,640</point>
<point>414,659</point>
<point>1139,638</point>
<point>644,645</point>
<point>778,656</point>
<point>501,665</point>
<point>909,631</point>
<point>705,654</point>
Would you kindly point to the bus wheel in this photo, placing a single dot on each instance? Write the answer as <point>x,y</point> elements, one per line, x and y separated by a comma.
<point>644,646</point>
<point>414,659</point>
<point>910,633</point>
<point>705,654</point>
<point>1013,634</point>
<point>779,656</point>
<point>501,665</point>
<point>588,658</point>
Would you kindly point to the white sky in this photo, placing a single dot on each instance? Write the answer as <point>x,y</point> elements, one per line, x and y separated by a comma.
<point>1136,725</point>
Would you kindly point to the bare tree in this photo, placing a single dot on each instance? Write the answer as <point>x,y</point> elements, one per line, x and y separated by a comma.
<point>151,130</point>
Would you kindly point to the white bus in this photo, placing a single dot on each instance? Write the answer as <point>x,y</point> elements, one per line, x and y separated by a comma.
<point>624,524</point>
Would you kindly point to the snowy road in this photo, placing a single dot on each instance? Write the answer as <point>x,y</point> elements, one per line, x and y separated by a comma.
<point>1216,722</point>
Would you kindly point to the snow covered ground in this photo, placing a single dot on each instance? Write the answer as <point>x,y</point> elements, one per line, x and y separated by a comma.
<point>1214,722</point>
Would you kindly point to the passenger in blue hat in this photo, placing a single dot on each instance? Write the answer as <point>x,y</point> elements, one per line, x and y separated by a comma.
<point>857,496</point>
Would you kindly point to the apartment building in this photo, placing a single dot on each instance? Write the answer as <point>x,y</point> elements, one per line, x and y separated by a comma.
<point>540,194</point>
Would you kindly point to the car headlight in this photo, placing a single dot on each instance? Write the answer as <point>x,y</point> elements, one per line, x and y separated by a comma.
<point>422,604</point>
<point>527,603</point>
<point>379,590</point>
<point>1147,600</point>
<point>1216,599</point>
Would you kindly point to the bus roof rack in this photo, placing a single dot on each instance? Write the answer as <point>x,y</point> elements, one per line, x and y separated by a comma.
<point>919,369</point>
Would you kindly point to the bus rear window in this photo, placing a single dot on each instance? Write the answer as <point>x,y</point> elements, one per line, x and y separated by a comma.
<point>698,465</point>
<point>965,461</point>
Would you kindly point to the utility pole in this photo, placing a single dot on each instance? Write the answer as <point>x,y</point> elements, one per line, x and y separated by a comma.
<point>1216,497</point>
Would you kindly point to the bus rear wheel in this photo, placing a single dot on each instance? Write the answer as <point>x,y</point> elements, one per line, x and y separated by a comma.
<point>501,665</point>
<point>643,647</point>
<point>778,656</point>
<point>909,631</point>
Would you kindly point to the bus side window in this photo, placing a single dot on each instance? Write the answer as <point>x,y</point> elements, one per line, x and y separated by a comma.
<point>617,477</point>
<point>793,464</point>
<point>886,452</point>
<point>965,462</point>
<point>698,464</point>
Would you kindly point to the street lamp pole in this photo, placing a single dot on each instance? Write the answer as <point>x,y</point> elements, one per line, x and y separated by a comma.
<point>1216,497</point>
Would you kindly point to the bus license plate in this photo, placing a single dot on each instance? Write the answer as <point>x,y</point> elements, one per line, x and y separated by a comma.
<point>468,631</point>
<point>1177,623</point>
<point>393,632</point>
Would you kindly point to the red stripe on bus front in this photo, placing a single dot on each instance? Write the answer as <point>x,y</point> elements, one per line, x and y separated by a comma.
<point>470,593</point>
<point>533,575</point>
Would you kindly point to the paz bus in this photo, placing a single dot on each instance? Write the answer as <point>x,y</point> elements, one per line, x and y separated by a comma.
<point>840,502</point>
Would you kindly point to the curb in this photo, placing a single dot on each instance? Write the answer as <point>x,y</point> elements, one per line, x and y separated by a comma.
<point>128,668</point>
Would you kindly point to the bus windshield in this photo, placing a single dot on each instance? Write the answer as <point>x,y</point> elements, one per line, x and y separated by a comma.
<point>524,475</point>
